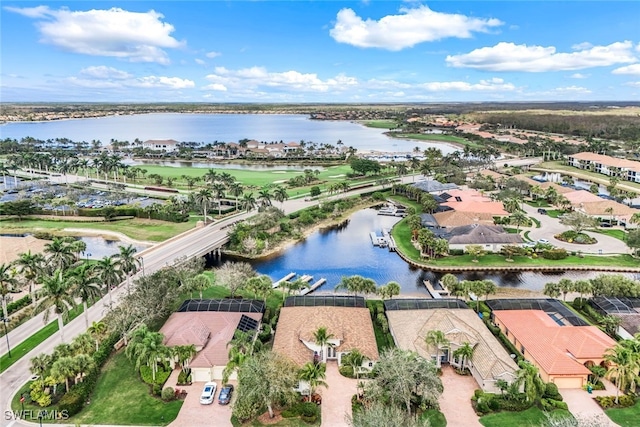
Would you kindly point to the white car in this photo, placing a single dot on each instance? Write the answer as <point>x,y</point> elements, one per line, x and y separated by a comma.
<point>208,393</point>
<point>543,241</point>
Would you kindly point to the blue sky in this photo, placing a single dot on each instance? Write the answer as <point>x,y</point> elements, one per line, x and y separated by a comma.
<point>320,51</point>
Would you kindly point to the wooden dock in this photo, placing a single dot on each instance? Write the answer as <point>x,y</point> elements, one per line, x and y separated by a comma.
<point>434,294</point>
<point>313,287</point>
<point>284,279</point>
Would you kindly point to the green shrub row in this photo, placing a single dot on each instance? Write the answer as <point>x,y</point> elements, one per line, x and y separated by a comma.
<point>555,254</point>
<point>16,305</point>
<point>303,409</point>
<point>161,376</point>
<point>624,401</point>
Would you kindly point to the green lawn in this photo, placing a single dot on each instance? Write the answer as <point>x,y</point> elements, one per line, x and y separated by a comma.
<point>532,417</point>
<point>121,398</point>
<point>554,213</point>
<point>435,417</point>
<point>136,228</point>
<point>538,203</point>
<point>617,234</point>
<point>380,124</point>
<point>625,417</point>
<point>35,340</point>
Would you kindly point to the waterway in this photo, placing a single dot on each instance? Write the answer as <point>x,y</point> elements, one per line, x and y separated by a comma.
<point>207,128</point>
<point>347,250</point>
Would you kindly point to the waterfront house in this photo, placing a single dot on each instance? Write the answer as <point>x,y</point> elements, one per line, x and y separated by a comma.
<point>162,145</point>
<point>209,325</point>
<point>346,318</point>
<point>411,319</point>
<point>561,351</point>
<point>491,237</point>
<point>624,169</point>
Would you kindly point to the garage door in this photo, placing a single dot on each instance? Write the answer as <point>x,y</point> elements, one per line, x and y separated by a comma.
<point>200,375</point>
<point>569,382</point>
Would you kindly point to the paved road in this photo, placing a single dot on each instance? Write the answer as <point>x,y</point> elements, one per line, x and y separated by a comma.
<point>549,227</point>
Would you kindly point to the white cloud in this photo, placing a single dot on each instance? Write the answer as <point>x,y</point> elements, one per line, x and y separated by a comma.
<point>103,72</point>
<point>633,69</point>
<point>162,82</point>
<point>579,76</point>
<point>494,84</point>
<point>633,84</point>
<point>134,36</point>
<point>571,89</point>
<point>248,79</point>
<point>582,46</point>
<point>199,61</point>
<point>212,54</point>
<point>410,27</point>
<point>511,57</point>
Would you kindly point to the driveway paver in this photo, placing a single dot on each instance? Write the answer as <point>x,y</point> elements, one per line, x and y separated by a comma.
<point>193,414</point>
<point>455,402</point>
<point>582,405</point>
<point>336,400</point>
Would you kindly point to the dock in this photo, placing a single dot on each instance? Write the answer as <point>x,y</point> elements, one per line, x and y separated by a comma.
<point>284,279</point>
<point>378,240</point>
<point>435,293</point>
<point>313,287</point>
<point>390,241</point>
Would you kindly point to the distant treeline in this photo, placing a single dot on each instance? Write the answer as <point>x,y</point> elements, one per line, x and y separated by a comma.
<point>624,128</point>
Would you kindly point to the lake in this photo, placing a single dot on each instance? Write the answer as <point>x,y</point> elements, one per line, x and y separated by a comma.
<point>347,250</point>
<point>208,128</point>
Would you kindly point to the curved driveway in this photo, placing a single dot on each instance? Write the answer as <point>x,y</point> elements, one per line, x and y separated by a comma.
<point>549,227</point>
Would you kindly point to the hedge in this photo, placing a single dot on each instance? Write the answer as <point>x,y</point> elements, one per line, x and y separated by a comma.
<point>14,306</point>
<point>161,375</point>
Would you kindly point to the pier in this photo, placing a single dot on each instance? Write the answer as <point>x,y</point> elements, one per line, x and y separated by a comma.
<point>313,287</point>
<point>284,279</point>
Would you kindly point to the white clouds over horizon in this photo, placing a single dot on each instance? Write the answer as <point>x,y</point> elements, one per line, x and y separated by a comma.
<point>633,69</point>
<point>133,36</point>
<point>506,56</point>
<point>108,77</point>
<point>410,27</point>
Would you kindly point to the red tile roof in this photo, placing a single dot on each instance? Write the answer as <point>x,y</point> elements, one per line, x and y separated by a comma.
<point>555,348</point>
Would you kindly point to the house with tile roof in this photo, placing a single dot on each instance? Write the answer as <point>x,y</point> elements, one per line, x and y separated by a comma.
<point>347,318</point>
<point>561,352</point>
<point>491,237</point>
<point>489,363</point>
<point>611,166</point>
<point>209,325</point>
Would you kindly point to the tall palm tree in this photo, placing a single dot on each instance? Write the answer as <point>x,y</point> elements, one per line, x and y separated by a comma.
<point>280,195</point>
<point>438,340</point>
<point>57,294</point>
<point>314,374</point>
<point>59,253</point>
<point>84,286</point>
<point>624,365</point>
<point>464,353</point>
<point>146,348</point>
<point>183,354</point>
<point>529,376</point>
<point>107,273</point>
<point>218,190</point>
<point>260,286</point>
<point>83,364</point>
<point>199,282</point>
<point>248,201</point>
<point>518,218</point>
<point>203,197</point>
<point>236,360</point>
<point>64,368</point>
<point>40,364</point>
<point>8,284</point>
<point>264,196</point>
<point>323,339</point>
<point>97,330</point>
<point>127,262</point>
<point>236,189</point>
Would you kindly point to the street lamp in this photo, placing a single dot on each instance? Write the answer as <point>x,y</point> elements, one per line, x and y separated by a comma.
<point>6,334</point>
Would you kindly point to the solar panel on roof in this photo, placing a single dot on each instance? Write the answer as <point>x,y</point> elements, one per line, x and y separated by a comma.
<point>246,324</point>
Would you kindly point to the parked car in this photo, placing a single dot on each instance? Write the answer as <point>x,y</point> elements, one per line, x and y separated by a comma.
<point>605,225</point>
<point>542,211</point>
<point>208,393</point>
<point>543,241</point>
<point>225,394</point>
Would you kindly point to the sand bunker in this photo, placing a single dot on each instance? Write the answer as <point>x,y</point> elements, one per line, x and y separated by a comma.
<point>337,176</point>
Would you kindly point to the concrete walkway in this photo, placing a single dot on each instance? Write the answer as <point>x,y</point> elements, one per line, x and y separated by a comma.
<point>194,414</point>
<point>549,227</point>
<point>582,405</point>
<point>336,400</point>
<point>455,402</point>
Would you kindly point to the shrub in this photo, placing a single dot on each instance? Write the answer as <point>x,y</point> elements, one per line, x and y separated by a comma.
<point>71,402</point>
<point>14,306</point>
<point>346,371</point>
<point>309,420</point>
<point>168,394</point>
<point>555,254</point>
<point>626,400</point>
<point>551,392</point>
<point>288,413</point>
<point>265,335</point>
<point>157,390</point>
<point>456,251</point>
<point>161,376</point>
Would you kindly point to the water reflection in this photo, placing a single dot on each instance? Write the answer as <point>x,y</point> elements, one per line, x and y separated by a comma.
<point>347,250</point>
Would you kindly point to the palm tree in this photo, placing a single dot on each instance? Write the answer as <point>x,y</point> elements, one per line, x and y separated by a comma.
<point>518,218</point>
<point>354,359</point>
<point>248,201</point>
<point>146,347</point>
<point>314,374</point>
<point>84,286</point>
<point>218,190</point>
<point>260,286</point>
<point>183,354</point>
<point>236,189</point>
<point>64,368</point>
<point>438,340</point>
<point>40,364</point>
<point>60,253</point>
<point>83,364</point>
<point>464,353</point>
<point>624,365</point>
<point>199,282</point>
<point>264,196</point>
<point>8,284</point>
<point>97,331</point>
<point>57,294</point>
<point>203,198</point>
<point>280,195</point>
<point>30,267</point>
<point>127,262</point>
<point>107,273</point>
<point>323,339</point>
<point>529,376</point>
<point>236,360</point>
<point>82,343</point>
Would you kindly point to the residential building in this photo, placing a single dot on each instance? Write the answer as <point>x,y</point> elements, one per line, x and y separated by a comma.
<point>410,320</point>
<point>164,145</point>
<point>491,237</point>
<point>210,325</point>
<point>562,352</point>
<point>624,169</point>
